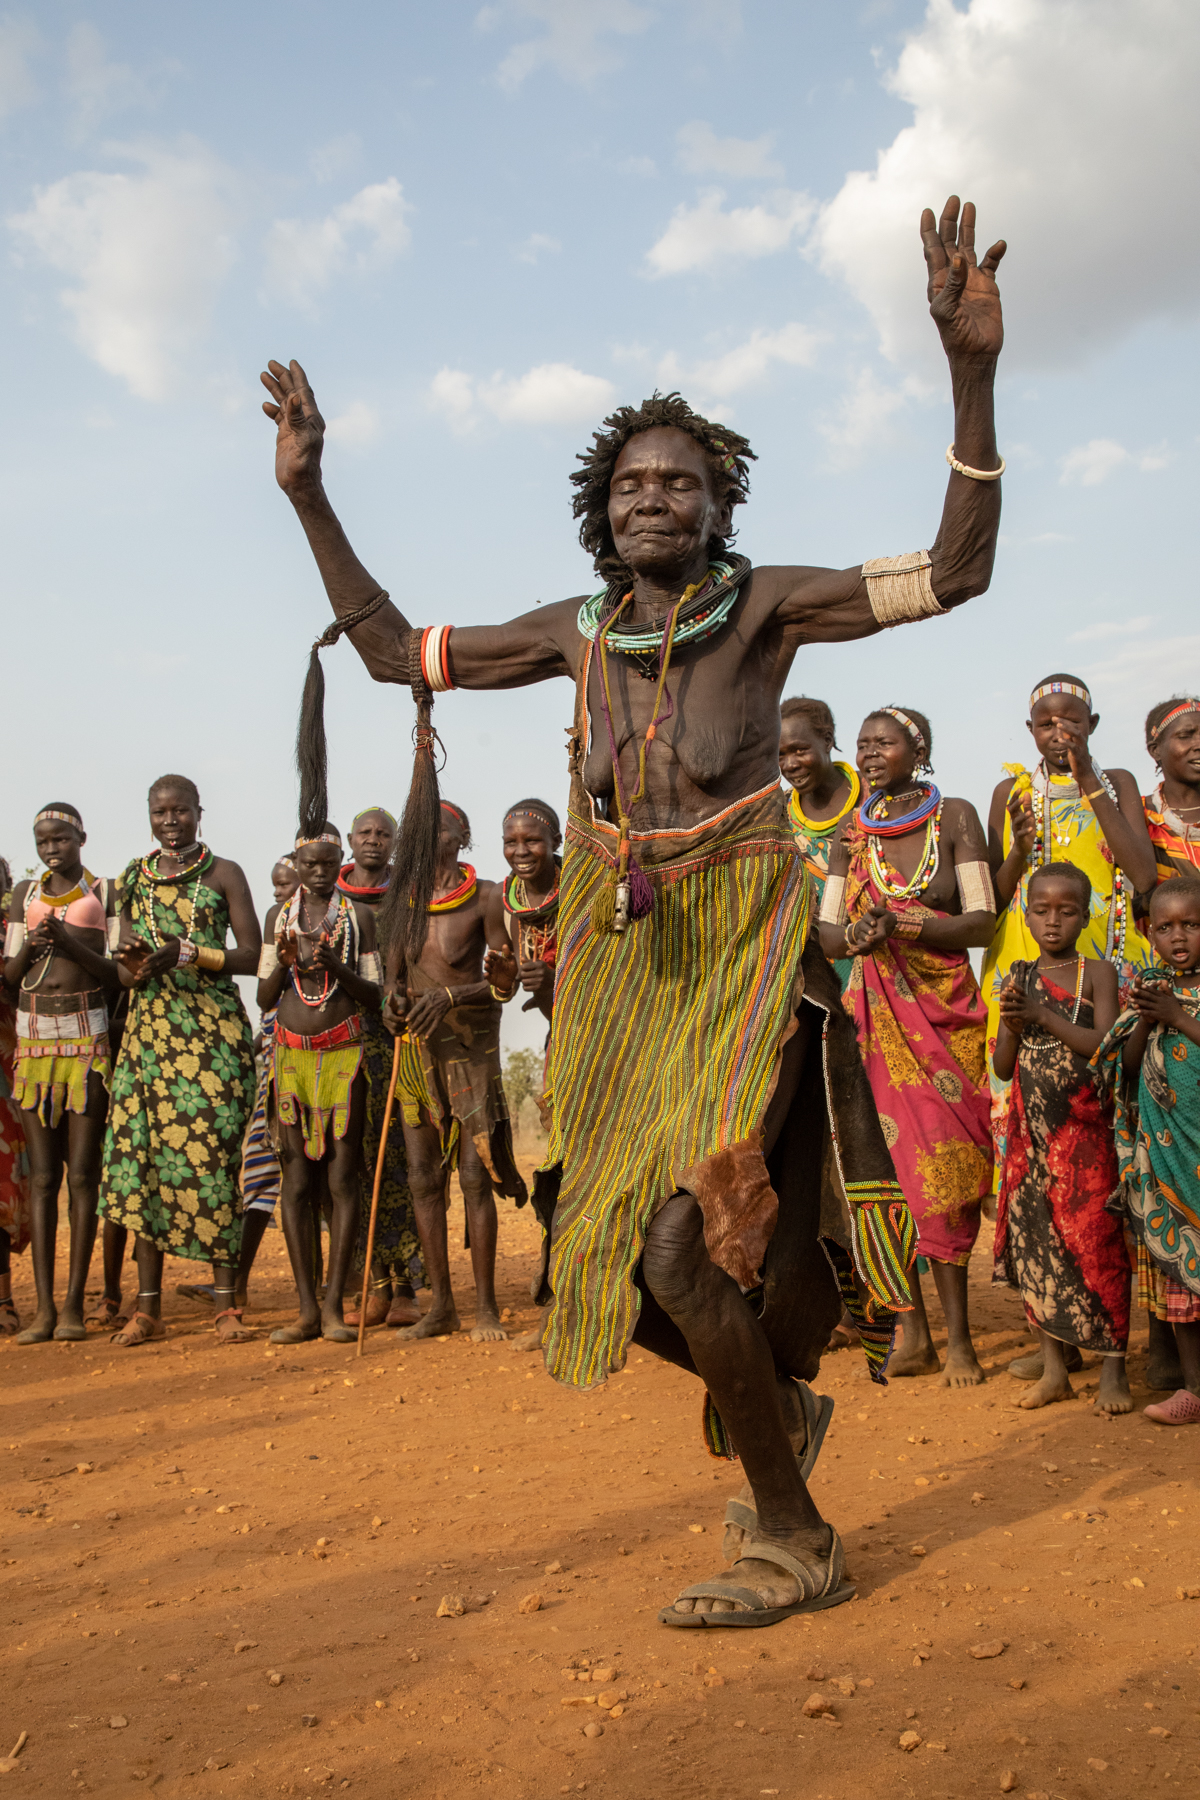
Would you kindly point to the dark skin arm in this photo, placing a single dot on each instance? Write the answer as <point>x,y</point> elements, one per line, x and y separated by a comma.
<point>1123,823</point>
<point>962,842</point>
<point>1155,1005</point>
<point>811,605</point>
<point>502,969</point>
<point>53,934</point>
<point>363,992</point>
<point>1017,1011</point>
<point>1007,871</point>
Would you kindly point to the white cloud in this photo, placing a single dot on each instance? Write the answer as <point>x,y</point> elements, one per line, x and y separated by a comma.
<point>573,43</point>
<point>719,377</point>
<point>550,394</point>
<point>1091,463</point>
<point>1143,671</point>
<point>702,152</point>
<point>356,428</point>
<point>366,232</point>
<point>701,235</point>
<point>18,43</point>
<point>145,252</point>
<point>98,88</point>
<point>1072,123</point>
<point>1111,628</point>
<point>335,156</point>
<point>863,419</point>
<point>537,245</point>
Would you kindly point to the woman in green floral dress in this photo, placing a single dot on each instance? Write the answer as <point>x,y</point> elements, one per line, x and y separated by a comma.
<point>183,1087</point>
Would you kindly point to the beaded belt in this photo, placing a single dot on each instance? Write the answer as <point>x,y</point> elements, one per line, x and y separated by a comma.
<point>348,1032</point>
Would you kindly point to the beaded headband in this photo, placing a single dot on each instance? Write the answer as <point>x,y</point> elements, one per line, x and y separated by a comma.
<point>286,862</point>
<point>913,730</point>
<point>456,812</point>
<point>326,837</point>
<point>1074,688</point>
<point>66,817</point>
<point>368,810</point>
<point>534,812</point>
<point>1176,712</point>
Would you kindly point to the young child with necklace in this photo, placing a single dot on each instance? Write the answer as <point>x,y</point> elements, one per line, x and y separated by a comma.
<point>321,970</point>
<point>56,949</point>
<point>1150,1061</point>
<point>1055,1241</point>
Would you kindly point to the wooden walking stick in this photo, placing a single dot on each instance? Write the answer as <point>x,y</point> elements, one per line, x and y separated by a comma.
<point>383,1138</point>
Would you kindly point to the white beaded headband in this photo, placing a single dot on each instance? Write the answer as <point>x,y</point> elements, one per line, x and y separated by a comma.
<point>326,837</point>
<point>66,817</point>
<point>1074,688</point>
<point>910,725</point>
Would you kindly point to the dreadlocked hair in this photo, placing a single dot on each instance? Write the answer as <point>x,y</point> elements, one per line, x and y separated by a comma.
<point>729,456</point>
<point>312,757</point>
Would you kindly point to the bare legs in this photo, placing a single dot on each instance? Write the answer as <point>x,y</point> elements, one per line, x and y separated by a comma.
<point>429,1182</point>
<point>916,1354</point>
<point>302,1191</point>
<point>74,1143</point>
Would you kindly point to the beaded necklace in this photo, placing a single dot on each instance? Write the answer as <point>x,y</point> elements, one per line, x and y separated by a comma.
<point>334,930</point>
<point>823,827</point>
<point>1046,835</point>
<point>537,926</point>
<point>886,878</point>
<point>882,826</point>
<point>80,891</point>
<point>1187,834</point>
<point>457,896</point>
<point>151,877</point>
<point>703,611</point>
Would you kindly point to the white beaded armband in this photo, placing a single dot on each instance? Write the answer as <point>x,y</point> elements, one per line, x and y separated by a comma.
<point>833,902</point>
<point>370,968</point>
<point>268,960</point>
<point>114,934</point>
<point>975,889</point>
<point>14,939</point>
<point>900,588</point>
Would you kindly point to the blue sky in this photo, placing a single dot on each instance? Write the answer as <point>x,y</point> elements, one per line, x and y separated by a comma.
<point>478,228</point>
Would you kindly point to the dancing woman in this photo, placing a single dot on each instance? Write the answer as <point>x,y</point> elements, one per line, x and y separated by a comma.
<point>56,945</point>
<point>1173,809</point>
<point>184,1084</point>
<point>908,894</point>
<point>823,794</point>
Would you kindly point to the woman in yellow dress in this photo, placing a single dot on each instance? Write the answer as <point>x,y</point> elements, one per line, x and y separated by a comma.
<point>1067,810</point>
<point>823,792</point>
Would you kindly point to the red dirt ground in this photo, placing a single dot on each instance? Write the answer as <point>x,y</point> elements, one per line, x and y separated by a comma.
<point>180,1521</point>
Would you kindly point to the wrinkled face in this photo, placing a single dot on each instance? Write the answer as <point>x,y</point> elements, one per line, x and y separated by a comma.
<point>1177,752</point>
<point>661,505</point>
<point>1175,929</point>
<point>1057,722</point>
<point>529,846</point>
<point>58,844</point>
<point>371,842</point>
<point>318,867</point>
<point>803,752</point>
<point>285,881</point>
<point>886,755</point>
<point>174,818</point>
<point>1055,913</point>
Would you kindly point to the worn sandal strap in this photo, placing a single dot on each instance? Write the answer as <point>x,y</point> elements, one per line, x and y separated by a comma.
<point>811,1585</point>
<point>738,1513</point>
<point>725,1590</point>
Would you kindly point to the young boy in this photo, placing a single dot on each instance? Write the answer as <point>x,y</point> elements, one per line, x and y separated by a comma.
<point>1055,1241</point>
<point>320,967</point>
<point>1151,1060</point>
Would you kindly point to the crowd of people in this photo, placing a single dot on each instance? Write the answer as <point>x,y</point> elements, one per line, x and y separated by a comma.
<point>1058,1089</point>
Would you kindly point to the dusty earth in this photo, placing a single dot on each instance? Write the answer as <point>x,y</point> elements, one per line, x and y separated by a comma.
<point>223,1567</point>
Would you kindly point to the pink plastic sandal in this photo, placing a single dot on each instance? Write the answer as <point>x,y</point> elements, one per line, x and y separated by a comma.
<point>1183,1408</point>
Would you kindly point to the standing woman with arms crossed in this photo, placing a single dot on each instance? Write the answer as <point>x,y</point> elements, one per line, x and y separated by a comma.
<point>56,947</point>
<point>184,1083</point>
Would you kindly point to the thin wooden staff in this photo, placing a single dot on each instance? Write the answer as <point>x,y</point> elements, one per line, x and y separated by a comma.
<point>383,1137</point>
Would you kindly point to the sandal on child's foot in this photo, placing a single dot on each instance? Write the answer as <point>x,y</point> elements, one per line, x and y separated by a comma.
<point>141,1329</point>
<point>108,1313</point>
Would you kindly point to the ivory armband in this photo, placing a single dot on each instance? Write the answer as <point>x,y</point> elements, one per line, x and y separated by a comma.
<point>370,968</point>
<point>114,935</point>
<point>14,939</point>
<point>900,589</point>
<point>833,902</point>
<point>975,889</point>
<point>268,961</point>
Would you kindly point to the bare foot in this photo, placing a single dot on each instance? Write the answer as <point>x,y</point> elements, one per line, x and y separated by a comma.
<point>962,1369</point>
<point>404,1310</point>
<point>42,1328</point>
<point>434,1324</point>
<point>919,1358</point>
<point>1114,1396</point>
<point>1046,1391</point>
<point>488,1329</point>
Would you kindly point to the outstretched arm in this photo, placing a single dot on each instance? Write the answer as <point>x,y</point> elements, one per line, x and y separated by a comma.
<point>832,605</point>
<point>531,648</point>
